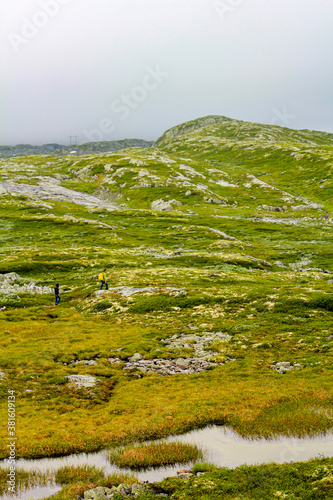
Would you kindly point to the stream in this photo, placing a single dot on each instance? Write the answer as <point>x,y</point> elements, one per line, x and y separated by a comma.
<point>221,446</point>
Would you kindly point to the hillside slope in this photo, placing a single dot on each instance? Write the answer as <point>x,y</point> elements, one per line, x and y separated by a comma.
<point>217,243</point>
<point>277,155</point>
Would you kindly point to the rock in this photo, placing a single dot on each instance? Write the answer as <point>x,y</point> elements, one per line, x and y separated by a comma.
<point>82,381</point>
<point>9,277</point>
<point>269,208</point>
<point>99,493</point>
<point>124,490</point>
<point>99,293</point>
<point>2,375</point>
<point>214,201</point>
<point>49,189</point>
<point>8,286</point>
<point>330,282</point>
<point>136,357</point>
<point>279,263</point>
<point>221,233</point>
<point>188,193</point>
<point>185,474</point>
<point>299,208</point>
<point>127,291</point>
<point>284,366</point>
<point>137,489</point>
<point>165,205</point>
<point>86,362</point>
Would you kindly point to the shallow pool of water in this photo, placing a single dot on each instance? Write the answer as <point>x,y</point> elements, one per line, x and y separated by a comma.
<point>221,446</point>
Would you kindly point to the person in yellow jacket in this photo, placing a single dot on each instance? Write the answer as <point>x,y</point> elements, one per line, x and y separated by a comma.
<point>102,279</point>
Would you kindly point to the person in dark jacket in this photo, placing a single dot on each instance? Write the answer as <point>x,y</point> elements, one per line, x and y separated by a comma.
<point>56,294</point>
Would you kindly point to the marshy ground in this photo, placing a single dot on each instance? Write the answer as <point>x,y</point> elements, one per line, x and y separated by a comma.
<point>245,253</point>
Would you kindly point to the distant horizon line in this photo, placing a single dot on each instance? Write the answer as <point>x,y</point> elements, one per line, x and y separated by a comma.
<point>154,140</point>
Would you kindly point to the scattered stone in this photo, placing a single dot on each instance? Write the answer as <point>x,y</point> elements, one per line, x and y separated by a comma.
<point>165,205</point>
<point>285,366</point>
<point>221,233</point>
<point>2,375</point>
<point>214,201</point>
<point>269,208</point>
<point>136,357</point>
<point>82,381</point>
<point>127,291</point>
<point>300,265</point>
<point>330,282</point>
<point>99,493</point>
<point>99,293</point>
<point>188,193</point>
<point>279,263</point>
<point>9,287</point>
<point>185,474</point>
<point>86,362</point>
<point>9,278</point>
<point>200,361</point>
<point>329,338</point>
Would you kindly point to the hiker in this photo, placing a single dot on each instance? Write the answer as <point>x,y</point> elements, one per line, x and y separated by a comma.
<point>56,294</point>
<point>102,279</point>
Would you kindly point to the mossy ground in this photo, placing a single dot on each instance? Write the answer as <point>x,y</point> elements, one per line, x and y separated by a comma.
<point>272,314</point>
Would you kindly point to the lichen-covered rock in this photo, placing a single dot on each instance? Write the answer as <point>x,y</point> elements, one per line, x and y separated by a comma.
<point>285,366</point>
<point>279,263</point>
<point>8,286</point>
<point>165,205</point>
<point>82,381</point>
<point>203,358</point>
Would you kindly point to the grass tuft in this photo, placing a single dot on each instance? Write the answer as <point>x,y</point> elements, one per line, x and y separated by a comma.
<point>154,455</point>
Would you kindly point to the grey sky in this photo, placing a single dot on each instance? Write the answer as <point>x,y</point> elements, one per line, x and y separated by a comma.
<point>113,69</point>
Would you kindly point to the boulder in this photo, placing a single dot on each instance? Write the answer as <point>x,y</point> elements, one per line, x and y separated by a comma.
<point>165,205</point>
<point>136,357</point>
<point>82,381</point>
<point>279,263</point>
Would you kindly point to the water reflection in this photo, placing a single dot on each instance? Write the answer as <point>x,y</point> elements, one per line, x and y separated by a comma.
<point>221,446</point>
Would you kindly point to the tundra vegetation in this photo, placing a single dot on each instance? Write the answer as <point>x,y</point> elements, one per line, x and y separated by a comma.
<point>220,235</point>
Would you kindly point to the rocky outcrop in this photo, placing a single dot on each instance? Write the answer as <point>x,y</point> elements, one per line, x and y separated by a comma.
<point>125,291</point>
<point>165,205</point>
<point>285,366</point>
<point>9,287</point>
<point>82,381</point>
<point>51,190</point>
<point>202,358</point>
<point>185,366</point>
<point>124,490</point>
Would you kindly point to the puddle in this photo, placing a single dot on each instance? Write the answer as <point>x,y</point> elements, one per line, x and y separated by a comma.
<point>37,492</point>
<point>221,446</point>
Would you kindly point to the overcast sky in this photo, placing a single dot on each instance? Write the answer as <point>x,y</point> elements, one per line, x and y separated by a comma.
<point>114,69</point>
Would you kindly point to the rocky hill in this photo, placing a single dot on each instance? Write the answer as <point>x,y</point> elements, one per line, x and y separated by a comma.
<point>217,241</point>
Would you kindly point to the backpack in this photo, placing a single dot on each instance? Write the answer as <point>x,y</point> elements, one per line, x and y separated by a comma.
<point>101,277</point>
